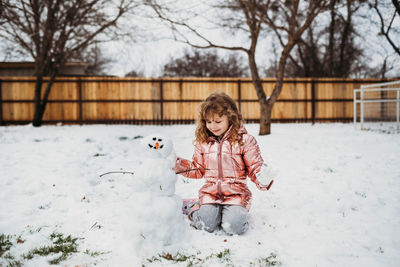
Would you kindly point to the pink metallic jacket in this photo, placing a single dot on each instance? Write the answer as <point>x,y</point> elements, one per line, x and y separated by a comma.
<point>225,167</point>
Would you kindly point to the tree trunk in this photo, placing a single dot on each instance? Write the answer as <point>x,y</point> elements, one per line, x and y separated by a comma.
<point>265,118</point>
<point>39,109</point>
<point>41,101</point>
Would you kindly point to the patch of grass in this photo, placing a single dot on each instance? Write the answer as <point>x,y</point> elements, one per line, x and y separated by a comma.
<point>224,257</point>
<point>5,243</point>
<point>11,262</point>
<point>14,263</point>
<point>61,245</point>
<point>94,253</point>
<point>137,137</point>
<point>37,230</point>
<point>123,138</point>
<point>5,246</point>
<point>60,249</point>
<point>267,261</point>
<point>99,155</point>
<point>191,260</point>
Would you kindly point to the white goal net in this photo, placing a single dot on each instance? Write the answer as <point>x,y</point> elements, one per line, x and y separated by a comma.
<point>377,107</point>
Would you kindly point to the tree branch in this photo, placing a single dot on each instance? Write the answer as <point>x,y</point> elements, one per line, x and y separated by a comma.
<point>396,4</point>
<point>191,29</point>
<point>383,32</point>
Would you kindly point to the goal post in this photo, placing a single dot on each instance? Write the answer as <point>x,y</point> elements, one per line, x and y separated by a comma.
<point>377,107</point>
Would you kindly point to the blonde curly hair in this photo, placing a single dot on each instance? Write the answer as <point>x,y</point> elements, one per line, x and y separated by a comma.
<point>219,103</point>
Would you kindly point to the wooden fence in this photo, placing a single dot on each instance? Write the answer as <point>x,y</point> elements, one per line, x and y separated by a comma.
<point>173,100</point>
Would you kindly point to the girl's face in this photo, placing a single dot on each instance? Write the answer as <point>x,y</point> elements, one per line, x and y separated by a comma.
<point>218,125</point>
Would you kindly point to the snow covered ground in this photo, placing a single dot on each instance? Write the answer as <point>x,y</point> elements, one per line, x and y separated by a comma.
<point>335,200</point>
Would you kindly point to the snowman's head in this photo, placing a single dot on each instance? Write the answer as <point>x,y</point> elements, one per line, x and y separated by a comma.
<point>157,145</point>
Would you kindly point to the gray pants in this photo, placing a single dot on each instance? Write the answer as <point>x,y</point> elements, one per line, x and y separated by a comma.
<point>231,218</point>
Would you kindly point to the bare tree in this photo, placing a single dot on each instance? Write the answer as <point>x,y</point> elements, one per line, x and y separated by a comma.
<point>386,22</point>
<point>205,64</point>
<point>329,48</point>
<point>96,59</point>
<point>288,19</point>
<point>53,31</point>
<point>134,73</point>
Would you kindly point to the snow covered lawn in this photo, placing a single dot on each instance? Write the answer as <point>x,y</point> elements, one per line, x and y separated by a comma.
<point>335,200</point>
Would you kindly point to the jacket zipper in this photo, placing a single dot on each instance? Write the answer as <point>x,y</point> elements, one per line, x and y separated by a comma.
<point>220,170</point>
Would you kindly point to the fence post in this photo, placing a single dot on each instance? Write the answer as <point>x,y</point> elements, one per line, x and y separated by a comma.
<point>398,108</point>
<point>239,94</point>
<point>313,101</point>
<point>162,101</point>
<point>80,101</point>
<point>382,96</point>
<point>179,106</point>
<point>1,104</point>
<point>362,108</point>
<point>355,108</point>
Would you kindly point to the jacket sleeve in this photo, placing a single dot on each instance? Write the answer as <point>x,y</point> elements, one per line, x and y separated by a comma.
<point>252,159</point>
<point>191,169</point>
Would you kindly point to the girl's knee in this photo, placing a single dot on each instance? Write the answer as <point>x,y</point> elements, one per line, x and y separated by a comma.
<point>234,220</point>
<point>207,218</point>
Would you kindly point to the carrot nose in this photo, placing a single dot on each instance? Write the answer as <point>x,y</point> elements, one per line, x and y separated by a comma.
<point>157,145</point>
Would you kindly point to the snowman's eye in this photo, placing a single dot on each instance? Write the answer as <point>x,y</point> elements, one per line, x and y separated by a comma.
<point>159,140</point>
<point>161,146</point>
<point>150,146</point>
<point>154,138</point>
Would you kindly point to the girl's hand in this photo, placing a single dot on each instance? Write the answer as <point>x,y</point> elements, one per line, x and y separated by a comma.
<point>264,177</point>
<point>265,187</point>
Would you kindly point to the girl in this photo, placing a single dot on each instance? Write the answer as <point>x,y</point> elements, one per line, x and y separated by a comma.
<point>225,154</point>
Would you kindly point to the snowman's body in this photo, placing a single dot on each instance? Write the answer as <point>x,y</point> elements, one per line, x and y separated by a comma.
<point>158,209</point>
<point>155,174</point>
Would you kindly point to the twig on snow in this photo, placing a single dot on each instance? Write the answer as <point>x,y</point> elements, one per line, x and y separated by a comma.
<point>116,172</point>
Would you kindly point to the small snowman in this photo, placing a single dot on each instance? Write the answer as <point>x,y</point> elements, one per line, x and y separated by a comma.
<point>154,173</point>
<point>158,210</point>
